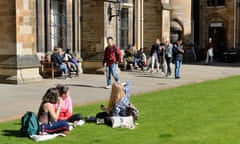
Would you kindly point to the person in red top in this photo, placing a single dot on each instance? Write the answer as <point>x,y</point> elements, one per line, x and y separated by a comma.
<point>112,56</point>
<point>209,49</point>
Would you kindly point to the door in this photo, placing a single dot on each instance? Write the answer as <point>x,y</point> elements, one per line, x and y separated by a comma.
<point>218,36</point>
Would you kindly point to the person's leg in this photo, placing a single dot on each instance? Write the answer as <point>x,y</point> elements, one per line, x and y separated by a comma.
<point>75,117</point>
<point>206,62</point>
<point>153,63</point>
<point>55,127</point>
<point>157,63</point>
<point>114,72</point>
<point>168,65</point>
<point>177,65</point>
<point>108,75</point>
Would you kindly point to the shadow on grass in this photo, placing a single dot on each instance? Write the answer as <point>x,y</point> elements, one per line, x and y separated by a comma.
<point>12,133</point>
<point>88,86</point>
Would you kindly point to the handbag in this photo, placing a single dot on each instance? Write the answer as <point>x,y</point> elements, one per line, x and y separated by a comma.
<point>133,111</point>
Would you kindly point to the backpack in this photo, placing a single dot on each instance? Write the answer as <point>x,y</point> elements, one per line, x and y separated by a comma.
<point>29,124</point>
<point>133,111</point>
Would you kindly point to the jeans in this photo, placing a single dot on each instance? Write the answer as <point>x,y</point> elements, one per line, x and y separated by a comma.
<point>178,64</point>
<point>155,59</point>
<point>64,68</point>
<point>111,70</point>
<point>169,60</point>
<point>55,127</point>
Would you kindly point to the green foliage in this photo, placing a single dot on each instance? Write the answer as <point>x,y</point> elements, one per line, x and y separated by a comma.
<point>203,113</point>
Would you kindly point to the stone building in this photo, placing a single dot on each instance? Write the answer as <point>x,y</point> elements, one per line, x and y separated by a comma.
<point>218,19</point>
<point>32,28</point>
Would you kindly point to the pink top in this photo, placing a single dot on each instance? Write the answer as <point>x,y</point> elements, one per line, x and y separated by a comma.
<point>66,109</point>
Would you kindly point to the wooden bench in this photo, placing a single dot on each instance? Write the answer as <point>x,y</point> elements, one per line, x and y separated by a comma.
<point>47,67</point>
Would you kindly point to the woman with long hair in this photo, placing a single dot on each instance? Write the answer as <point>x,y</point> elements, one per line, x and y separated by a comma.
<point>117,105</point>
<point>48,116</point>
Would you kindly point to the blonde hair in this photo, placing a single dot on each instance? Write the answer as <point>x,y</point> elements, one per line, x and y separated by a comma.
<point>116,94</point>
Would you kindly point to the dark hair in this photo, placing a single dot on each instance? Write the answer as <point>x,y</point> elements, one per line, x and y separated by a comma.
<point>108,38</point>
<point>68,50</point>
<point>62,89</point>
<point>51,96</point>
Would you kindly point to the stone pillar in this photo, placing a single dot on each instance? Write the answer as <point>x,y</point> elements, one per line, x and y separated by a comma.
<point>69,23</point>
<point>18,62</point>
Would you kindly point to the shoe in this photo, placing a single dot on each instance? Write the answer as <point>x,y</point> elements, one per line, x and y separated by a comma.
<point>91,119</point>
<point>80,123</point>
<point>68,78</point>
<point>108,87</point>
<point>118,81</point>
<point>177,77</point>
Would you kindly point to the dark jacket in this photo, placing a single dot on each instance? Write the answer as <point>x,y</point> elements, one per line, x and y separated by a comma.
<point>178,54</point>
<point>155,48</point>
<point>56,58</point>
<point>111,55</point>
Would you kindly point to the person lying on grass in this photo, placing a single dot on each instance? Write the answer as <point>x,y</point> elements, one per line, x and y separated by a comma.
<point>117,105</point>
<point>66,106</point>
<point>47,115</point>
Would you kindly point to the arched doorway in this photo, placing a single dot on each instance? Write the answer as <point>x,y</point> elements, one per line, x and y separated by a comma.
<point>216,29</point>
<point>176,31</point>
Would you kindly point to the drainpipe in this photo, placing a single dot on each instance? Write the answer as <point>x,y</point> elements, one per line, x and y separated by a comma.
<point>235,11</point>
<point>142,23</point>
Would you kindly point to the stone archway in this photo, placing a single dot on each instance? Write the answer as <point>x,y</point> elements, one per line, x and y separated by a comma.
<point>177,30</point>
<point>216,28</point>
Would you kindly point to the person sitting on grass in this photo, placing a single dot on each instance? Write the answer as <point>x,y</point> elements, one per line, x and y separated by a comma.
<point>47,115</point>
<point>118,102</point>
<point>66,106</point>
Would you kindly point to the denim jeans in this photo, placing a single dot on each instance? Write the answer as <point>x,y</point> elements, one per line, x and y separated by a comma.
<point>178,64</point>
<point>64,68</point>
<point>55,127</point>
<point>111,70</point>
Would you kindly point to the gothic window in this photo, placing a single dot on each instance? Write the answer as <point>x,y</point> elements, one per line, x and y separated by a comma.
<point>214,3</point>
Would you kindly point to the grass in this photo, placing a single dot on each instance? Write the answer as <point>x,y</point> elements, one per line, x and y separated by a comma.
<point>203,113</point>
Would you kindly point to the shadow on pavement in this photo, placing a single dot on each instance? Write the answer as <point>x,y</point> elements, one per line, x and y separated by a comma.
<point>88,86</point>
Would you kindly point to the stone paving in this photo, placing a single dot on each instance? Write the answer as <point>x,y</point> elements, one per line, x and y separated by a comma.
<point>15,100</point>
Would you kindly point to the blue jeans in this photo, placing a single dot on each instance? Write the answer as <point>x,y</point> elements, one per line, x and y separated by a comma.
<point>111,70</point>
<point>178,64</point>
<point>55,127</point>
<point>64,68</point>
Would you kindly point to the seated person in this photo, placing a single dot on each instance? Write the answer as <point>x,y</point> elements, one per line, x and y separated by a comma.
<point>58,62</point>
<point>47,115</point>
<point>66,106</point>
<point>72,63</point>
<point>118,102</point>
<point>142,59</point>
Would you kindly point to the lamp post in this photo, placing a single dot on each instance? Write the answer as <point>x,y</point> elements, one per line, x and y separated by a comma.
<point>118,11</point>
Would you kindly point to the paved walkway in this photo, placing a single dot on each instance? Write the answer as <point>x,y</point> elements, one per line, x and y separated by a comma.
<point>15,100</point>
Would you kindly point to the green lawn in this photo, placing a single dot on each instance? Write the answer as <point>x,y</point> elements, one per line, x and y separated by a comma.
<point>203,113</point>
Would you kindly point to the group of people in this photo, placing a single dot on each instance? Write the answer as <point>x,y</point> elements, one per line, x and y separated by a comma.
<point>162,54</point>
<point>65,62</point>
<point>55,113</point>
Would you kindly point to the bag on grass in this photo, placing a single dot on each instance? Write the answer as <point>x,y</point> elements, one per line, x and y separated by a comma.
<point>30,124</point>
<point>122,122</point>
<point>133,111</point>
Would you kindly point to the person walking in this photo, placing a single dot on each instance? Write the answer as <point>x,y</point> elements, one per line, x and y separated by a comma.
<point>154,54</point>
<point>169,51</point>
<point>112,56</point>
<point>210,46</point>
<point>178,57</point>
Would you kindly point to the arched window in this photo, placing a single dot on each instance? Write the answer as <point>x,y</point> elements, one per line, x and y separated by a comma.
<point>215,3</point>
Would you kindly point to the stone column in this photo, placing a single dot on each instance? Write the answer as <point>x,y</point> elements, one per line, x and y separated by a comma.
<point>69,23</point>
<point>18,60</point>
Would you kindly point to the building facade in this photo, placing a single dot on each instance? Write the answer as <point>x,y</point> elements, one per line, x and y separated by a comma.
<point>32,28</point>
<point>219,20</point>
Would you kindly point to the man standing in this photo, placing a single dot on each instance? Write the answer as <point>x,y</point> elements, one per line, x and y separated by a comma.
<point>169,49</point>
<point>209,47</point>
<point>178,58</point>
<point>112,56</point>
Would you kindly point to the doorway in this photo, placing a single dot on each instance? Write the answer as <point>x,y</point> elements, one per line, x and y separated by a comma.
<point>123,29</point>
<point>217,33</point>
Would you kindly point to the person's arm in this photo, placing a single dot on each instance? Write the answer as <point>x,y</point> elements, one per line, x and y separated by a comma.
<point>119,57</point>
<point>69,107</point>
<point>54,114</point>
<point>126,88</point>
<point>180,49</point>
